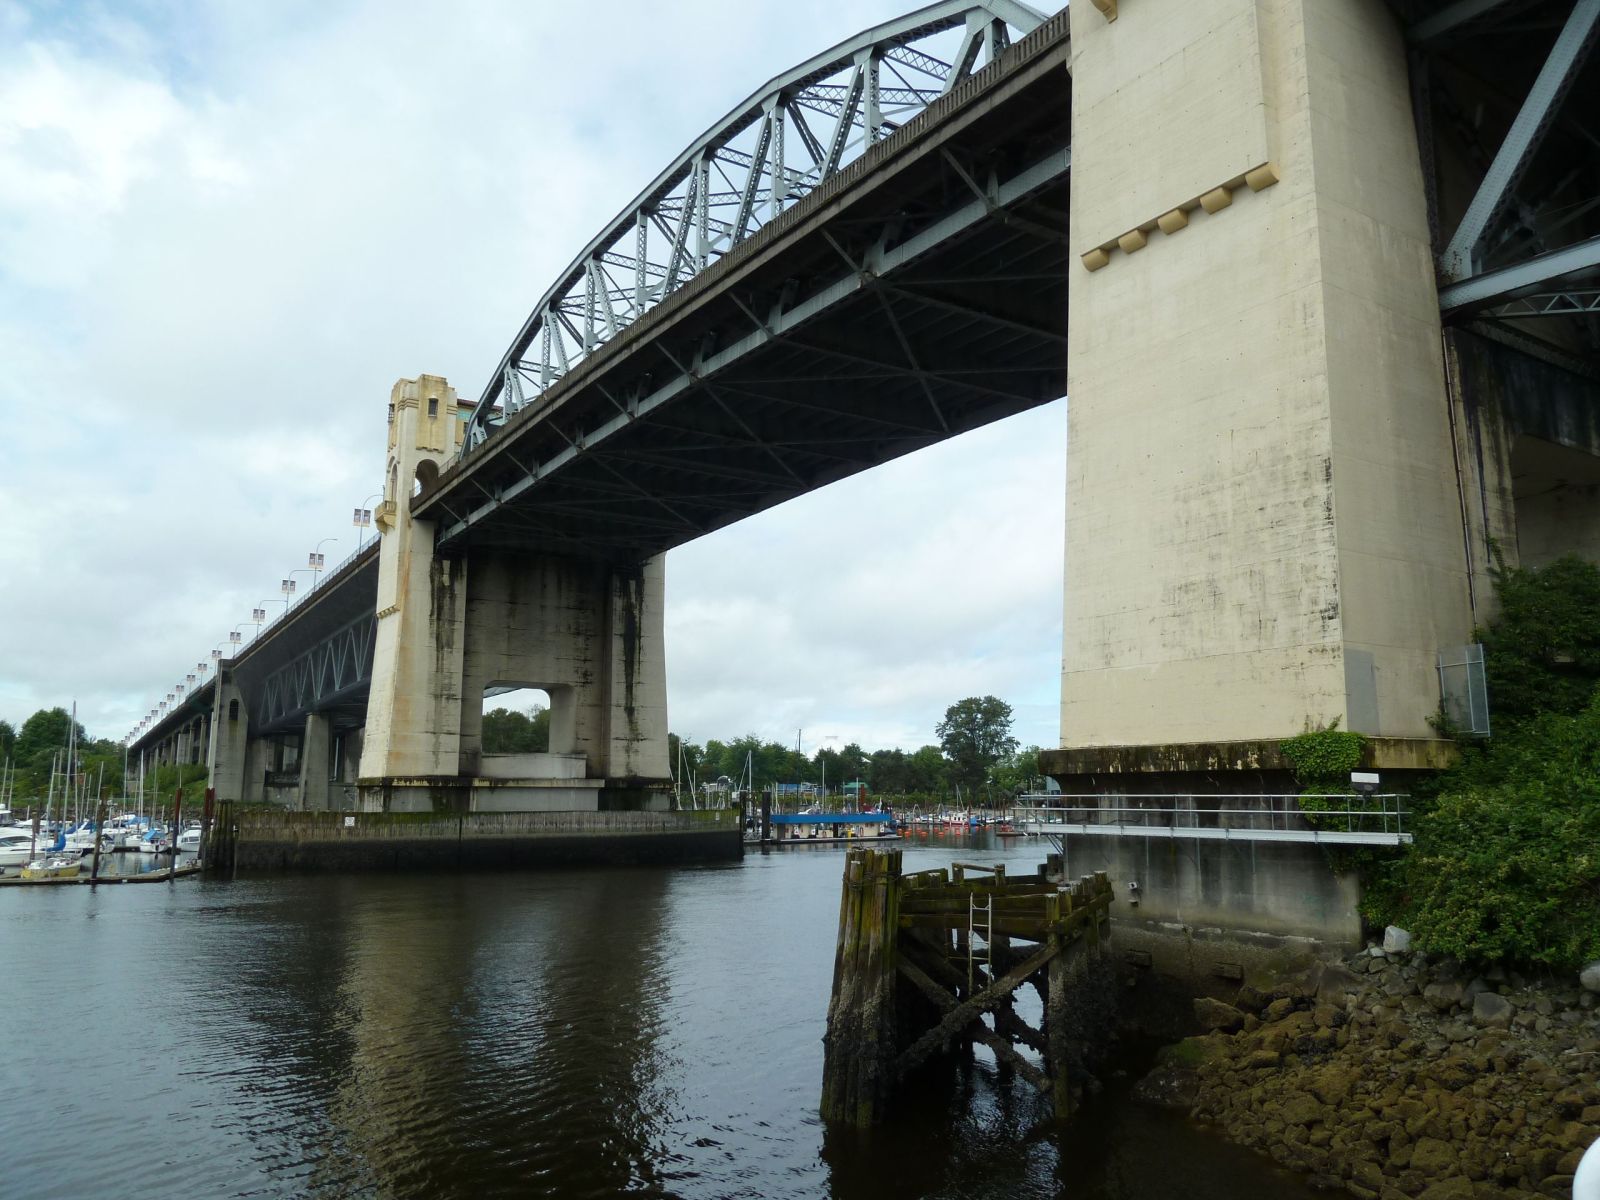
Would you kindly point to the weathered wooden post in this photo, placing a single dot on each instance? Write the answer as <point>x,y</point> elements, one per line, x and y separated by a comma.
<point>859,1045</point>
<point>99,836</point>
<point>1057,908</point>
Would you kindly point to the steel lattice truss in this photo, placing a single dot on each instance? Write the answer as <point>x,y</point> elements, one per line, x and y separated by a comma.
<point>330,671</point>
<point>1552,304</point>
<point>768,153</point>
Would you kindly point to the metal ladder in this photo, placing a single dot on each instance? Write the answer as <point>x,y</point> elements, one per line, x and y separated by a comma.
<point>980,919</point>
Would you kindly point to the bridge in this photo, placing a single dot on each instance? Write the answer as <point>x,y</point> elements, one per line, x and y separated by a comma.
<point>1332,343</point>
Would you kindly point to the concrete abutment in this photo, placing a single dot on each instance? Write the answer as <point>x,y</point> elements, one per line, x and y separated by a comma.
<point>589,632</point>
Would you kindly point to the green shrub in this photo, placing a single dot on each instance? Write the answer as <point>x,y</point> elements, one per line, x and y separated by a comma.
<point>1506,866</point>
<point>1506,863</point>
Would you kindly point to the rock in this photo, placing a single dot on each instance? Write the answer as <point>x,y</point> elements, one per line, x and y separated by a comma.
<point>1443,996</point>
<point>1589,977</point>
<point>1215,1015</point>
<point>1300,1109</point>
<point>1169,1085</point>
<point>1458,1188</point>
<point>1278,1009</point>
<point>1258,1059</point>
<point>1433,1156</point>
<point>1493,1010</point>
<point>1398,941</point>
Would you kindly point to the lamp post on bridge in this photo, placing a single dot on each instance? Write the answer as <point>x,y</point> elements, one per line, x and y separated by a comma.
<point>362,519</point>
<point>314,560</point>
<point>291,584</point>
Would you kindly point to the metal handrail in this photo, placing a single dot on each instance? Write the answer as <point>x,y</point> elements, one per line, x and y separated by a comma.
<point>322,581</point>
<point>1171,812</point>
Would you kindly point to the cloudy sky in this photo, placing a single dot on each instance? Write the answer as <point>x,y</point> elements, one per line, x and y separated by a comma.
<point>227,228</point>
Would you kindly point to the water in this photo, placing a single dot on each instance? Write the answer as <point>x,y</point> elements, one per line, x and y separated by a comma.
<point>591,1033</point>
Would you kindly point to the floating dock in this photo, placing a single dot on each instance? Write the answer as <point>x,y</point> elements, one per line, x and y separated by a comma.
<point>162,875</point>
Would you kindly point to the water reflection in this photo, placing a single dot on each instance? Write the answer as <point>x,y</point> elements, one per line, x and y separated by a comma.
<point>568,1033</point>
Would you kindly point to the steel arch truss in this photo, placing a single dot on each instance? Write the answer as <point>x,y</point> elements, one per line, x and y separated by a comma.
<point>796,132</point>
<point>1526,242</point>
<point>331,672</point>
<point>920,293</point>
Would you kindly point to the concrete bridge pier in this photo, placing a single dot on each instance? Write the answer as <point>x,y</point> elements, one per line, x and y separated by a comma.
<point>230,737</point>
<point>588,632</point>
<point>316,747</point>
<point>1264,521</point>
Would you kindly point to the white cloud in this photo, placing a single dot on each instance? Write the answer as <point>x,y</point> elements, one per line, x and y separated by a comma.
<point>226,229</point>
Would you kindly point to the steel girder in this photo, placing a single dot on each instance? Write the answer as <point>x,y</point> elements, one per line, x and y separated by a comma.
<point>669,517</point>
<point>1461,257</point>
<point>332,671</point>
<point>1515,106</point>
<point>919,294</point>
<point>1521,280</point>
<point>746,170</point>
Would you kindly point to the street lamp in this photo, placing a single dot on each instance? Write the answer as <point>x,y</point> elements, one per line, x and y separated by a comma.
<point>362,519</point>
<point>287,586</point>
<point>315,562</point>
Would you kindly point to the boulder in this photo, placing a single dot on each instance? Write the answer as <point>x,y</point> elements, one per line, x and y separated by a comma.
<point>1300,1109</point>
<point>1398,941</point>
<point>1589,977</point>
<point>1443,996</point>
<point>1433,1156</point>
<point>1492,1009</point>
<point>1458,1188</point>
<point>1215,1015</point>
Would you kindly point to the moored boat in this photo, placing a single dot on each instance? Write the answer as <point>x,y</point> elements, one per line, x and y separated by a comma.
<point>54,866</point>
<point>812,828</point>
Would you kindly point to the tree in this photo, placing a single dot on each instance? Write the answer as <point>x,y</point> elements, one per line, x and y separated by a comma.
<point>975,734</point>
<point>44,733</point>
<point>8,740</point>
<point>1019,772</point>
<point>508,732</point>
<point>927,772</point>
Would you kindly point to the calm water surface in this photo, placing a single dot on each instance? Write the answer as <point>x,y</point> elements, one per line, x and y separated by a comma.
<point>571,1033</point>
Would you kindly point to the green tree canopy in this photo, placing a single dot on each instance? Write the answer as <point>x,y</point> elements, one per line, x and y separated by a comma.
<point>508,732</point>
<point>976,734</point>
<point>44,733</point>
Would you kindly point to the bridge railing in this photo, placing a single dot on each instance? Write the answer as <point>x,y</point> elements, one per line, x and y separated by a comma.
<point>322,580</point>
<point>1328,816</point>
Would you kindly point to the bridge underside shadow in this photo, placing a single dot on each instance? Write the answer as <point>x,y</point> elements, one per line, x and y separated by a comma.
<point>920,293</point>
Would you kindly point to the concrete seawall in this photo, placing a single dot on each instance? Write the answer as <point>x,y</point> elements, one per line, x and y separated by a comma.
<point>257,839</point>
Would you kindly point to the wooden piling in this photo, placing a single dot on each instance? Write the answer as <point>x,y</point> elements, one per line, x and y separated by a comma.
<point>916,927</point>
<point>858,1058</point>
<point>99,835</point>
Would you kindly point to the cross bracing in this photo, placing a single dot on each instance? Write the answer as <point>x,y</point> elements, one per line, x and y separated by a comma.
<point>334,669</point>
<point>1505,94</point>
<point>917,292</point>
<point>790,136</point>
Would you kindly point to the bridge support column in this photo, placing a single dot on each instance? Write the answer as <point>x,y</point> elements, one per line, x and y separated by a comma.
<point>315,750</point>
<point>257,759</point>
<point>591,636</point>
<point>414,705</point>
<point>589,633</point>
<point>230,738</point>
<point>1262,503</point>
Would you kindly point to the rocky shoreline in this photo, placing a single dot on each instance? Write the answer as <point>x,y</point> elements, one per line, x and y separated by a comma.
<point>1392,1076</point>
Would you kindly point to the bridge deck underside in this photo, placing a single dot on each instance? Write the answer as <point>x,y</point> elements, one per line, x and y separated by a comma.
<point>924,297</point>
